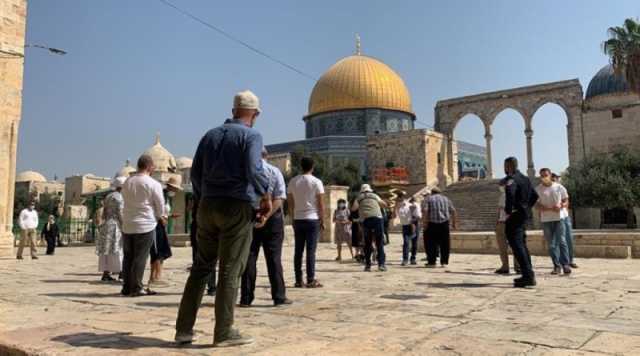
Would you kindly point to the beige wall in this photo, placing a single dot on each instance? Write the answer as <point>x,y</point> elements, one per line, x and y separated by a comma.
<point>417,150</point>
<point>13,17</point>
<point>75,186</point>
<point>602,132</point>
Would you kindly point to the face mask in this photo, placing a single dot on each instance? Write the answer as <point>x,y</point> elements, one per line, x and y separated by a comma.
<point>171,194</point>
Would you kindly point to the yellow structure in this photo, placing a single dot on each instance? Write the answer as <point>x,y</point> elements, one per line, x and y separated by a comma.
<point>13,19</point>
<point>358,82</point>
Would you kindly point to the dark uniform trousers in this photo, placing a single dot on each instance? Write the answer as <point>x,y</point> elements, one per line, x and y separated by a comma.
<point>270,237</point>
<point>517,237</point>
<point>437,240</point>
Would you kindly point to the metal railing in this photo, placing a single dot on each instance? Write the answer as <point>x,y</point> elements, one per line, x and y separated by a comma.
<point>72,231</point>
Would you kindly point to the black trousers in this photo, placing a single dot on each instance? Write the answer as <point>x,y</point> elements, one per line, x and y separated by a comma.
<point>438,239</point>
<point>517,237</point>
<point>270,237</point>
<point>51,244</point>
<point>136,249</point>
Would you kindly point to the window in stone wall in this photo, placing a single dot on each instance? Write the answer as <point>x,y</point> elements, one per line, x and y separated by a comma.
<point>616,113</point>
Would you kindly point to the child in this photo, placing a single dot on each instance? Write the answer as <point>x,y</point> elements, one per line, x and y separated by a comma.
<point>342,229</point>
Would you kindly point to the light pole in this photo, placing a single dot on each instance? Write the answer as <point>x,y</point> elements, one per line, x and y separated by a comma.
<point>11,54</point>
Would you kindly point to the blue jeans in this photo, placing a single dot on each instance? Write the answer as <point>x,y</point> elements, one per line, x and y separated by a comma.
<point>554,234</point>
<point>373,231</point>
<point>568,236</point>
<point>409,240</point>
<point>306,234</point>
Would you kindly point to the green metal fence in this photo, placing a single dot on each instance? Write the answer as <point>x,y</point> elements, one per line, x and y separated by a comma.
<point>72,231</point>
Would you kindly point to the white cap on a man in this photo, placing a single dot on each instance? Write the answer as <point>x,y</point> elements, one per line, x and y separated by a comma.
<point>246,100</point>
<point>366,188</point>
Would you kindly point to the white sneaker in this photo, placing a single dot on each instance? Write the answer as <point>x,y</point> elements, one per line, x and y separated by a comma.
<point>184,338</point>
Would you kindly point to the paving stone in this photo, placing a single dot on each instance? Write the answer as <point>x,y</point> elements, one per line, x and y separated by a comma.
<point>57,305</point>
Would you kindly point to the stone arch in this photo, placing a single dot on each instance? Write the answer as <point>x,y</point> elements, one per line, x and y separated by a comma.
<point>526,101</point>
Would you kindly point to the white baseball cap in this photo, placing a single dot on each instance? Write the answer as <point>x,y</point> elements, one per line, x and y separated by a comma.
<point>246,100</point>
<point>365,188</point>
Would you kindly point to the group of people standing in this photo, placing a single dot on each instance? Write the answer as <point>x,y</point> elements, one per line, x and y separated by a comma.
<point>133,230</point>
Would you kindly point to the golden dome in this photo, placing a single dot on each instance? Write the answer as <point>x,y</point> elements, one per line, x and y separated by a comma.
<point>30,176</point>
<point>359,82</point>
<point>163,160</point>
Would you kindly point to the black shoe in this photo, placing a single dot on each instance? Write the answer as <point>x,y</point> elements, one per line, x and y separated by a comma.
<point>19,258</point>
<point>524,283</point>
<point>413,262</point>
<point>244,305</point>
<point>573,265</point>
<point>566,269</point>
<point>136,294</point>
<point>211,292</point>
<point>34,257</point>
<point>299,285</point>
<point>501,270</point>
<point>283,302</point>
<point>367,268</point>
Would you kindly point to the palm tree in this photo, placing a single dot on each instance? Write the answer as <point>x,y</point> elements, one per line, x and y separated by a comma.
<point>623,48</point>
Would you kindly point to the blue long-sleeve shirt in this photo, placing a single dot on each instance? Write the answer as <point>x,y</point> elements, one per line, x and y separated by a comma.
<point>228,164</point>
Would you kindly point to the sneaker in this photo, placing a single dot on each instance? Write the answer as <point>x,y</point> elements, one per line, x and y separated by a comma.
<point>556,270</point>
<point>286,301</point>
<point>573,265</point>
<point>367,268</point>
<point>382,268</point>
<point>184,338</point>
<point>234,339</point>
<point>566,269</point>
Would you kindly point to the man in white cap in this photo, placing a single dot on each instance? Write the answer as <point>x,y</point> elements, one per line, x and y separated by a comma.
<point>228,178</point>
<point>368,204</point>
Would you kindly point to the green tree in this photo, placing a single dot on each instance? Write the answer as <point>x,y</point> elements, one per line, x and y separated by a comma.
<point>623,48</point>
<point>606,181</point>
<point>340,173</point>
<point>48,204</point>
<point>22,198</point>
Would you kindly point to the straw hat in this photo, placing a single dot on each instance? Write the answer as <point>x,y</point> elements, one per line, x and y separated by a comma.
<point>174,183</point>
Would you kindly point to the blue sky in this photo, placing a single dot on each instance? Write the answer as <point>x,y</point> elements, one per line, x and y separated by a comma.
<point>135,68</point>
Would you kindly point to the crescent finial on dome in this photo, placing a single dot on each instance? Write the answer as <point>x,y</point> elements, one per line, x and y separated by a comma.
<point>358,45</point>
<point>158,138</point>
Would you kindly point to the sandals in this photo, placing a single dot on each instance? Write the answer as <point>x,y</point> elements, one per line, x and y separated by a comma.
<point>314,284</point>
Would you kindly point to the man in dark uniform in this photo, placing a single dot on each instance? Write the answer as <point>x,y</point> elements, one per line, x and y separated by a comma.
<point>520,196</point>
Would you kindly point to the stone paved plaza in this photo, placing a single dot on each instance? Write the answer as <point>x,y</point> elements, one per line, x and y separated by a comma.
<point>56,305</point>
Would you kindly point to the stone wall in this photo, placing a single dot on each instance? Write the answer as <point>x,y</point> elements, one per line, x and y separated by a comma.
<point>602,132</point>
<point>75,186</point>
<point>588,243</point>
<point>13,17</point>
<point>420,151</point>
